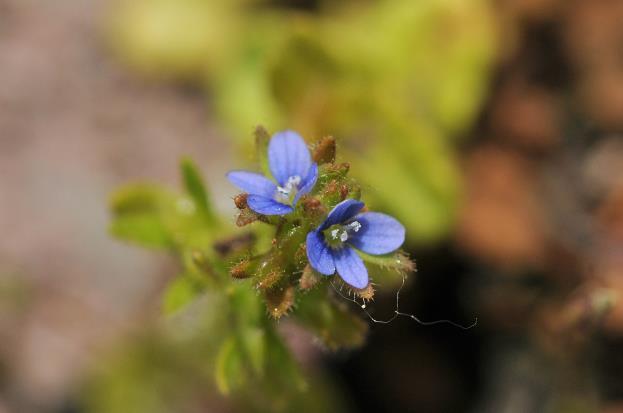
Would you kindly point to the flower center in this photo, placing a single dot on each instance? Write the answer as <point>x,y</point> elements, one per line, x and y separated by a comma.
<point>285,194</point>
<point>336,235</point>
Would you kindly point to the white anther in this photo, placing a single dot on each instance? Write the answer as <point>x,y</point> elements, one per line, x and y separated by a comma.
<point>334,233</point>
<point>355,226</point>
<point>293,181</point>
<point>283,192</point>
<point>343,236</point>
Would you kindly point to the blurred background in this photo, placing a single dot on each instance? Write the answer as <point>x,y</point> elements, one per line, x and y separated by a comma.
<point>492,129</point>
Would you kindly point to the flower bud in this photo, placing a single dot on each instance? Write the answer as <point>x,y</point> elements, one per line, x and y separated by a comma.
<point>366,293</point>
<point>241,200</point>
<point>279,301</point>
<point>309,279</point>
<point>242,270</point>
<point>324,151</point>
<point>331,193</point>
<point>313,208</point>
<point>269,280</point>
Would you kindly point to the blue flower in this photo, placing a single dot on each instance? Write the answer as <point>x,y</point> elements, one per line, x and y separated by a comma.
<point>291,165</point>
<point>331,246</point>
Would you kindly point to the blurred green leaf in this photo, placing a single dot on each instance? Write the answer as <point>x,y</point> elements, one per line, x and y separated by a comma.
<point>174,39</point>
<point>253,340</point>
<point>243,91</point>
<point>137,211</point>
<point>228,372</point>
<point>151,216</point>
<point>290,380</point>
<point>139,198</point>
<point>180,292</point>
<point>195,187</point>
<point>142,376</point>
<point>413,176</point>
<point>143,229</point>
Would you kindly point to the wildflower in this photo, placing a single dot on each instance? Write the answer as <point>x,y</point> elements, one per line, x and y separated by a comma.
<point>291,166</point>
<point>331,247</point>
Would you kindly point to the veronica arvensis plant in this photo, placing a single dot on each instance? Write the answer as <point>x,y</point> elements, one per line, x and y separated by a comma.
<point>328,234</point>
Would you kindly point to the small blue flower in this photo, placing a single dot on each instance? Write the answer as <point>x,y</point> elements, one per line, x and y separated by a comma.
<point>291,165</point>
<point>330,246</point>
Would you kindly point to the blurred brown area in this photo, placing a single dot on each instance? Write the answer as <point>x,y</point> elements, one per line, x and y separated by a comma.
<point>73,126</point>
<point>542,209</point>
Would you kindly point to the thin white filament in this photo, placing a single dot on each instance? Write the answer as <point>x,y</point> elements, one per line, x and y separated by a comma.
<point>398,313</point>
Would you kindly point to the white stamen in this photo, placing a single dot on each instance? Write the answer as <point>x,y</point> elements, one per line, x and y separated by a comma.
<point>334,233</point>
<point>343,236</point>
<point>283,192</point>
<point>355,226</point>
<point>293,181</point>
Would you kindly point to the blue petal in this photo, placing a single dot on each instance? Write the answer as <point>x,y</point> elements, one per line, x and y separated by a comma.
<point>288,156</point>
<point>379,233</point>
<point>319,254</point>
<point>267,206</point>
<point>341,212</point>
<point>252,183</point>
<point>350,267</point>
<point>308,183</point>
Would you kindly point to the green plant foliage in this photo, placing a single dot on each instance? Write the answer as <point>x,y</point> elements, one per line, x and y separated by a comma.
<point>369,72</point>
<point>181,291</point>
<point>173,39</point>
<point>140,213</point>
<point>333,322</point>
<point>195,188</point>
<point>420,185</point>
<point>219,340</point>
<point>229,373</point>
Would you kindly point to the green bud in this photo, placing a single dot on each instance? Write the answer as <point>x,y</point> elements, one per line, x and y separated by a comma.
<point>269,280</point>
<point>313,208</point>
<point>279,301</point>
<point>243,269</point>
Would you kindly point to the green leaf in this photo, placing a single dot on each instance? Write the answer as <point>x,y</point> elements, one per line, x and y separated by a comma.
<point>146,230</point>
<point>139,198</point>
<point>253,341</point>
<point>398,261</point>
<point>181,292</point>
<point>195,187</point>
<point>290,379</point>
<point>151,216</point>
<point>228,372</point>
<point>248,81</point>
<point>414,177</point>
<point>138,215</point>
